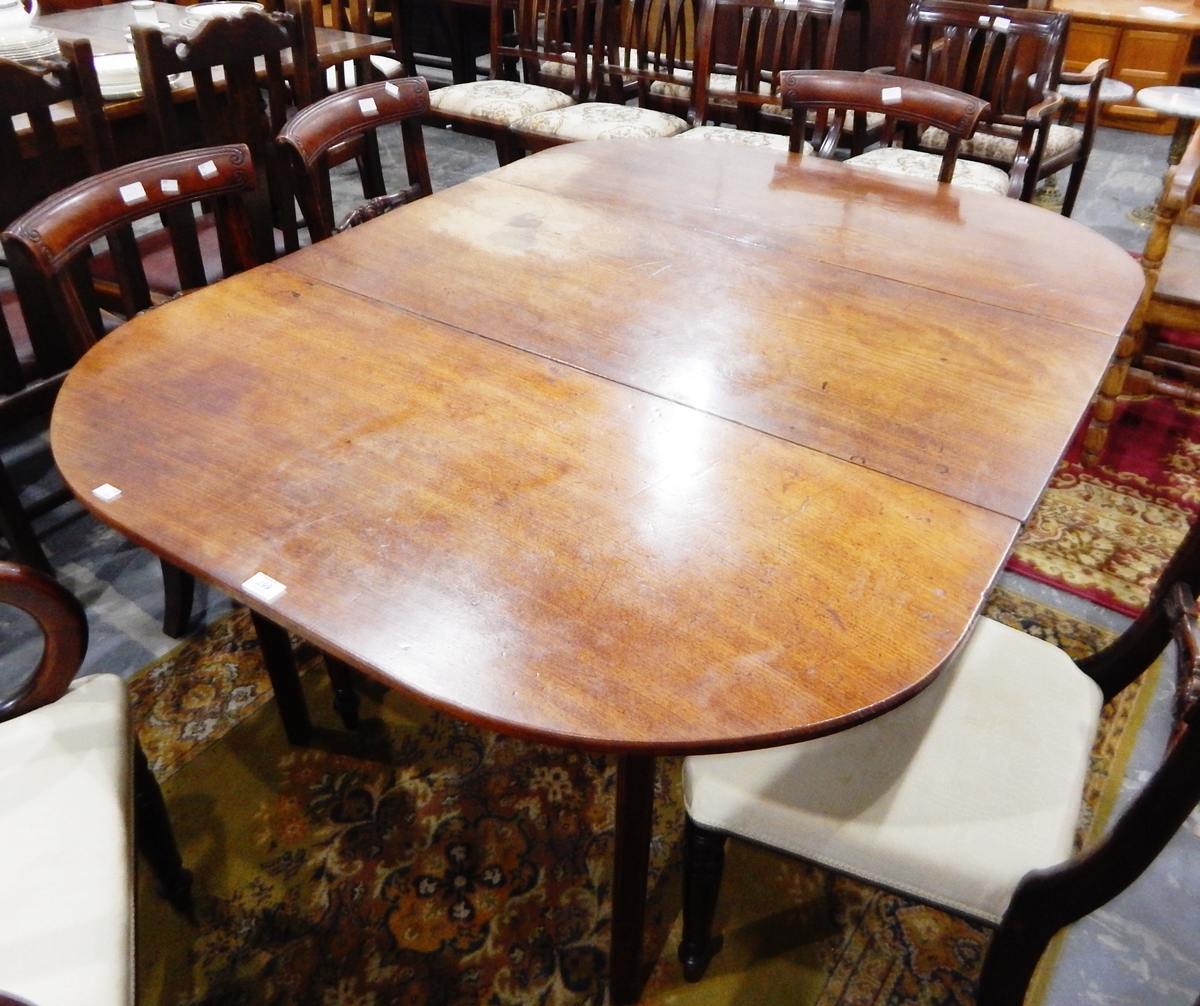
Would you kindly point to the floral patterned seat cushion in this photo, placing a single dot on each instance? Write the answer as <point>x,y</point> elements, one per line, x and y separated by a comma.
<point>918,164</point>
<point>500,101</point>
<point>566,71</point>
<point>600,120</point>
<point>1002,148</point>
<point>721,89</point>
<point>746,137</point>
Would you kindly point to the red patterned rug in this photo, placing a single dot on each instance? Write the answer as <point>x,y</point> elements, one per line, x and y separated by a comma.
<point>1106,532</point>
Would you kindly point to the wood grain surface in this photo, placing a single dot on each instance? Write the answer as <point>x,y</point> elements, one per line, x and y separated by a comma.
<point>552,507</point>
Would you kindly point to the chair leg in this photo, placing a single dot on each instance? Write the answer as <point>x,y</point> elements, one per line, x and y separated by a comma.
<point>179,590</point>
<point>155,837</point>
<point>703,863</point>
<point>1073,183</point>
<point>345,698</point>
<point>285,679</point>
<point>15,526</point>
<point>508,149</point>
<point>1010,963</point>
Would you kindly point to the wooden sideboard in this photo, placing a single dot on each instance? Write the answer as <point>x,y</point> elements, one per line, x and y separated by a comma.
<point>1143,50</point>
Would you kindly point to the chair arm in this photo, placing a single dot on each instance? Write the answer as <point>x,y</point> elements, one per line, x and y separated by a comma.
<point>1180,188</point>
<point>60,617</point>
<point>1091,74</point>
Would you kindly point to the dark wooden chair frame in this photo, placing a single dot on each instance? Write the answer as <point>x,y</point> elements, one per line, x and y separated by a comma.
<point>1050,899</point>
<point>831,94</point>
<point>353,116</point>
<point>64,627</point>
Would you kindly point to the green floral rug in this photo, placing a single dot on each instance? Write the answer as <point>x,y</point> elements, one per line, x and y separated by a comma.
<point>420,860</point>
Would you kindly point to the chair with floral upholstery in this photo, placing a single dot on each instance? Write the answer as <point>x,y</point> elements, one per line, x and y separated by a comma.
<point>906,109</point>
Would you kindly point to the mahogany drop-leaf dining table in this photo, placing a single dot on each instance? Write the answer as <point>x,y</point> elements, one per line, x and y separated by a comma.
<point>636,446</point>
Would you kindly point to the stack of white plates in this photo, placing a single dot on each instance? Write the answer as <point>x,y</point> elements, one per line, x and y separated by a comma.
<point>201,12</point>
<point>118,75</point>
<point>24,45</point>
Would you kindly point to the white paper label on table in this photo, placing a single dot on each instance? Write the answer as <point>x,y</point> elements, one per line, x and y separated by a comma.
<point>106,492</point>
<point>392,89</point>
<point>367,106</point>
<point>169,186</point>
<point>208,169</point>
<point>1001,24</point>
<point>1162,13</point>
<point>264,588</point>
<point>890,95</point>
<point>133,193</point>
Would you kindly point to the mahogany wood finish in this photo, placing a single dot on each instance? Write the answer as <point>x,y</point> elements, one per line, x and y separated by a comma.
<point>833,93</point>
<point>652,477</point>
<point>64,628</point>
<point>1171,296</point>
<point>990,52</point>
<point>772,37</point>
<point>649,42</point>
<point>353,116</point>
<point>236,113</point>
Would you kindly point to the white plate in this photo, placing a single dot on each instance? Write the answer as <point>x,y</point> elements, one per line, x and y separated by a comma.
<point>26,38</point>
<point>222,8</point>
<point>125,91</point>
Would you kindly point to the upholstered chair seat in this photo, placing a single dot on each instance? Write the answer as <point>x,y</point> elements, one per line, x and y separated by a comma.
<point>746,137</point>
<point>992,147</point>
<point>501,102</point>
<point>599,120</point>
<point>973,175</point>
<point>952,797</point>
<point>66,872</point>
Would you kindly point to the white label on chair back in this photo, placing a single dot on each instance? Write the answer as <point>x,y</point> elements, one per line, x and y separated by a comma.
<point>984,21</point>
<point>264,588</point>
<point>133,193</point>
<point>392,89</point>
<point>208,169</point>
<point>789,4</point>
<point>367,106</point>
<point>1001,25</point>
<point>890,95</point>
<point>169,186</point>
<point>106,492</point>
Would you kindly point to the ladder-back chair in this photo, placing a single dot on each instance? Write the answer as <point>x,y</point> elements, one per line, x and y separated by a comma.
<point>967,796</point>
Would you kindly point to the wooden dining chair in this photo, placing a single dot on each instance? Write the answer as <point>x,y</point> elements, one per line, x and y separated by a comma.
<point>1012,58</point>
<point>79,795</point>
<point>1144,362</point>
<point>223,51</point>
<point>905,109</point>
<point>354,116</point>
<point>967,796</point>
<point>536,40</point>
<point>641,49</point>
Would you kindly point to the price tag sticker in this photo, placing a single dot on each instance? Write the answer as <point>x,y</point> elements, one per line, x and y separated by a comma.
<point>106,492</point>
<point>208,169</point>
<point>392,89</point>
<point>984,21</point>
<point>264,587</point>
<point>367,106</point>
<point>891,96</point>
<point>133,193</point>
<point>1002,24</point>
<point>169,186</point>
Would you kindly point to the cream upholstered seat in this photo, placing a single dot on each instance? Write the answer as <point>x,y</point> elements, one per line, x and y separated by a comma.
<point>502,102</point>
<point>597,120</point>
<point>990,147</point>
<point>72,775</point>
<point>919,164</point>
<point>952,798</point>
<point>66,872</point>
<point>967,795</point>
<point>745,137</point>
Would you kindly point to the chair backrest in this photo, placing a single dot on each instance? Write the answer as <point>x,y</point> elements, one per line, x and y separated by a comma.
<point>54,238</point>
<point>909,105</point>
<point>60,617</point>
<point>220,55</point>
<point>648,48</point>
<point>771,37</point>
<point>991,52</point>
<point>548,36</point>
<point>348,116</point>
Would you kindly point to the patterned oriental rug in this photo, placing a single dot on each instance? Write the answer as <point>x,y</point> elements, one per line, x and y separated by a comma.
<point>420,860</point>
<point>1106,532</point>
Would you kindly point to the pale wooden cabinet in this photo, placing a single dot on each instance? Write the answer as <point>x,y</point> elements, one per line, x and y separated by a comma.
<point>1143,51</point>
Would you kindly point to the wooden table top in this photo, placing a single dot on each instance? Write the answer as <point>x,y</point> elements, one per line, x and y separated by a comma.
<point>635,445</point>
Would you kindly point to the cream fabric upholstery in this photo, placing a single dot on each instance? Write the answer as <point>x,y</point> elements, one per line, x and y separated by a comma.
<point>383,64</point>
<point>602,120</point>
<point>746,137</point>
<point>722,89</point>
<point>1000,148</point>
<point>499,101</point>
<point>66,857</point>
<point>952,797</point>
<point>919,164</point>
<point>566,71</point>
